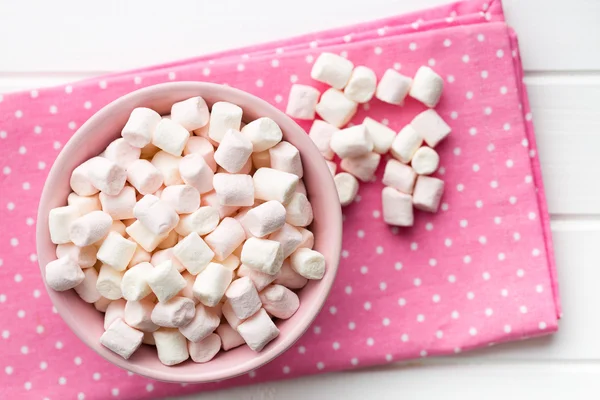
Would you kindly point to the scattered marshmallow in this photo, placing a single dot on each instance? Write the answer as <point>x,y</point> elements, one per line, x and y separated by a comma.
<point>243,298</point>
<point>138,315</point>
<point>234,189</point>
<point>347,187</point>
<point>184,199</point>
<point>290,278</point>
<point>121,338</point>
<point>393,87</point>
<point>428,193</point>
<point>144,176</point>
<point>174,313</point>
<point>90,228</point>
<point>263,133</point>
<point>202,146</point>
<point>143,236</point>
<point>205,349</point>
<point>171,137</point>
<point>302,102</point>
<point>122,153</point>
<point>59,222</point>
<point>363,167</point>
<point>115,310</point>
<point>406,144</point>
<point>225,238</point>
<point>134,283</point>
<point>202,325</point>
<point>289,237</point>
<point>105,175</point>
<point>320,133</point>
<point>211,284</point>
<point>230,338</point>
<point>427,86</point>
<point>165,281</point>
<point>260,279</point>
<point>351,142</point>
<point>193,253</point>
<point>399,176</point>
<point>156,215</point>
<point>261,159</point>
<point>397,207</point>
<point>224,116</point>
<point>258,330</point>
<point>63,274</point>
<point>84,204</point>
<point>332,69</point>
<point>299,211</point>
<point>263,255</point>
<point>119,206</point>
<point>140,126</point>
<point>191,113</point>
<point>308,263</point>
<point>202,221</point>
<point>85,256</point>
<point>265,218</point>
<point>168,165</point>
<point>116,251</point>
<point>336,108</point>
<point>381,136</point>
<point>279,301</point>
<point>234,151</point>
<point>285,157</point>
<point>171,346</point>
<point>431,127</point>
<point>271,184</point>
<point>425,161</point>
<point>362,84</point>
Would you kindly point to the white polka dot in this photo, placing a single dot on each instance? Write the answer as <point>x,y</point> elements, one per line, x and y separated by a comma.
<point>404,337</point>
<point>460,187</point>
<point>494,184</point>
<point>364,269</point>
<point>379,250</point>
<point>448,242</point>
<point>401,302</point>
<point>275,63</point>
<point>397,66</point>
<point>354,361</point>
<point>382,286</point>
<point>542,325</point>
<point>503,90</point>
<point>294,78</point>
<point>497,220</point>
<point>345,253</point>
<point>465,58</point>
<point>507,329</point>
<point>376,214</point>
<point>484,74</point>
<point>441,170</point>
<point>535,252</point>
<point>412,46</point>
<point>472,331</point>
<point>512,200</point>
<point>62,380</point>
<point>470,295</point>
<point>21,313</point>
<point>10,206</point>
<point>43,365</point>
<point>480,37</point>
<point>41,165</point>
<point>348,289</point>
<point>439,334</point>
<point>6,170</point>
<point>24,349</point>
<point>500,53</point>
<point>278,98</point>
<point>504,292</point>
<point>14,242</point>
<point>18,114</point>
<point>27,385</point>
<point>370,342</point>
<point>450,78</point>
<point>59,346</point>
<point>454,115</point>
<point>486,276</point>
<point>80,396</point>
<point>137,80</point>
<point>528,116</point>
<point>115,392</point>
<point>523,309</point>
<point>489,312</point>
<point>22,150</point>
<point>479,204</point>
<point>451,278</point>
<point>2,298</point>
<point>510,163</point>
<point>149,387</point>
<point>501,256</point>
<point>436,298</point>
<point>528,179</point>
<point>56,145</point>
<point>420,318</point>
<point>491,147</point>
<point>252,374</point>
<point>482,239</point>
<point>463,223</point>
<point>385,121</point>
<point>467,259</point>
<point>317,330</point>
<point>414,246</point>
<point>301,349</point>
<point>469,95</point>
<point>432,262</point>
<point>377,50</point>
<point>531,215</point>
<point>539,288</point>
<point>423,353</point>
<point>351,326</point>
<point>37,293</point>
<point>417,282</point>
<point>487,110</point>
<point>367,305</point>
<point>26,186</point>
<point>431,62</point>
<point>53,109</point>
<point>455,314</point>
<point>206,71</point>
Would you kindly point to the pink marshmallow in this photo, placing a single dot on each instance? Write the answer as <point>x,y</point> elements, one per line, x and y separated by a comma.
<point>205,349</point>
<point>138,315</point>
<point>299,211</point>
<point>289,237</point>
<point>171,346</point>
<point>211,199</point>
<point>122,153</point>
<point>362,167</point>
<point>87,288</point>
<point>308,238</point>
<point>84,204</point>
<point>230,316</point>
<point>121,338</point>
<point>290,278</point>
<point>225,238</point>
<point>168,165</point>
<point>202,221</point>
<point>203,147</point>
<point>243,298</point>
<point>174,313</point>
<point>399,176</point>
<point>258,330</point>
<point>260,279</point>
<point>230,338</point>
<point>320,133</point>
<point>80,182</point>
<point>196,172</point>
<point>119,206</point>
<point>279,301</point>
<point>114,311</point>
<point>286,157</point>
<point>204,323</point>
<point>144,176</point>
<point>85,257</point>
<point>183,198</point>
<point>134,284</point>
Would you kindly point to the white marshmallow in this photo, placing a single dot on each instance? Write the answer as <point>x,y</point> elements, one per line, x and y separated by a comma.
<point>90,228</point>
<point>290,278</point>
<point>243,298</point>
<point>202,221</point>
<point>171,137</point>
<point>399,176</point>
<point>336,108</point>
<point>188,291</point>
<point>149,151</point>
<point>116,251</point>
<point>211,284</point>
<point>171,346</point>
<point>260,279</point>
<point>397,207</point>
<point>165,281</point>
<point>116,226</point>
<point>191,113</point>
<point>156,215</point>
<point>308,263</point>
<point>84,204</point>
<point>224,116</point>
<point>230,338</point>
<point>160,256</point>
<point>102,304</point>
<point>184,199</point>
<point>363,167</point>
<point>174,313</point>
<point>205,349</point>
<point>279,301</point>
<point>427,86</point>
<point>286,157</point>
<point>381,136</point>
<point>230,316</point>
<point>271,184</point>
<point>115,310</point>
<point>203,133</point>
<point>246,168</point>
<point>138,315</point>
<point>258,330</point>
<point>122,153</point>
<point>428,193</point>
<point>263,133</point>
<point>431,127</point>
<point>109,282</point>
<point>211,199</point>
<point>196,172</point>
<point>169,241</point>
<point>193,253</point>
<point>393,87</point>
<point>202,146</point>
<point>63,274</point>
<point>85,257</point>
<point>320,133</point>
<point>146,239</point>
<point>105,175</point>
<point>234,151</point>
<point>347,187</point>
<point>121,205</point>
<point>406,144</point>
<point>122,339</point>
<point>225,238</point>
<point>351,142</point>
<point>302,101</point>
<point>362,84</point>
<point>231,262</point>
<point>144,176</point>
<point>332,69</point>
<point>139,256</point>
<point>263,255</point>
<point>149,339</point>
<point>203,324</point>
<point>140,126</point>
<point>168,165</point>
<point>308,239</point>
<point>234,189</point>
<point>265,218</point>
<point>80,182</point>
<point>261,159</point>
<point>134,283</point>
<point>289,237</point>
<point>59,222</point>
<point>425,161</point>
<point>299,211</point>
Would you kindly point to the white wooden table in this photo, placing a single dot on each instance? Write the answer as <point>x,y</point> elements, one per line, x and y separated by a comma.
<point>51,42</point>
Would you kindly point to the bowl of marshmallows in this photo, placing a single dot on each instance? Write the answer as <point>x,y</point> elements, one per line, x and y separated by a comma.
<point>189,232</point>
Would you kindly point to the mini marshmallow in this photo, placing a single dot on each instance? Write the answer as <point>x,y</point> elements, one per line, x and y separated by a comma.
<point>431,127</point>
<point>116,251</point>
<point>156,215</point>
<point>308,263</point>
<point>139,256</point>
<point>234,151</point>
<point>300,188</point>
<point>231,262</point>
<point>289,237</point>
<point>183,198</point>
<point>224,116</point>
<point>116,226</point>
<point>263,133</point>
<point>362,84</point>
<point>90,228</point>
<point>362,167</point>
<point>202,146</point>
<point>351,142</point>
<point>63,274</point>
<point>105,175</point>
<point>149,339</point>
<point>243,298</point>
<point>425,161</point>
<point>85,257</point>
<point>279,301</point>
<point>121,339</point>
<point>174,313</point>
<point>211,199</point>
<point>332,168</point>
<point>203,133</point>
<point>265,218</point>
<point>134,283</point>
<point>263,255</point>
<point>171,346</point>
<point>191,113</point>
<point>286,157</point>
<point>225,238</point>
<point>399,176</point>
<point>320,133</point>
<point>261,159</point>
<point>308,239</point>
<point>381,136</point>
<point>165,281</point>
<point>393,87</point>
<point>115,310</point>
<point>102,304</point>
<point>332,69</point>
<point>80,184</point>
<point>260,279</point>
<point>202,221</point>
<point>234,189</point>
<point>203,324</point>
<point>336,108</point>
<point>121,205</point>
<point>171,137</point>
<point>427,86</point>
<point>122,153</point>
<point>138,315</point>
<point>271,184</point>
<point>196,172</point>
<point>211,284</point>
<point>428,193</point>
<point>406,144</point>
<point>290,278</point>
<point>302,102</point>
<point>205,349</point>
<point>230,316</point>
<point>84,204</point>
<point>146,239</point>
<point>144,176</point>
<point>193,253</point>
<point>230,338</point>
<point>258,330</point>
<point>347,187</point>
<point>188,291</point>
<point>397,207</point>
<point>168,165</point>
<point>169,241</point>
<point>59,222</point>
<point>149,151</point>
<point>140,126</point>
<point>109,282</point>
<point>299,211</point>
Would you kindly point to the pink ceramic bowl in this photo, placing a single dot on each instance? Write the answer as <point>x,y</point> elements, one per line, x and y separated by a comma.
<point>105,126</point>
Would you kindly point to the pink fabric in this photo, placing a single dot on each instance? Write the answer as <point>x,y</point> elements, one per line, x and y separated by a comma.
<point>480,271</point>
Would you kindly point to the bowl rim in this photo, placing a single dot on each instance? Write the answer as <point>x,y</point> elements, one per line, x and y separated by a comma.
<point>261,358</point>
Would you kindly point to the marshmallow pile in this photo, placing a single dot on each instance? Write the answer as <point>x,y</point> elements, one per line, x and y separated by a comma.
<point>360,147</point>
<point>189,232</point>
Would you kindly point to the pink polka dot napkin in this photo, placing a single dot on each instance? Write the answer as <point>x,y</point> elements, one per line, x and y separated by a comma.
<point>480,271</point>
